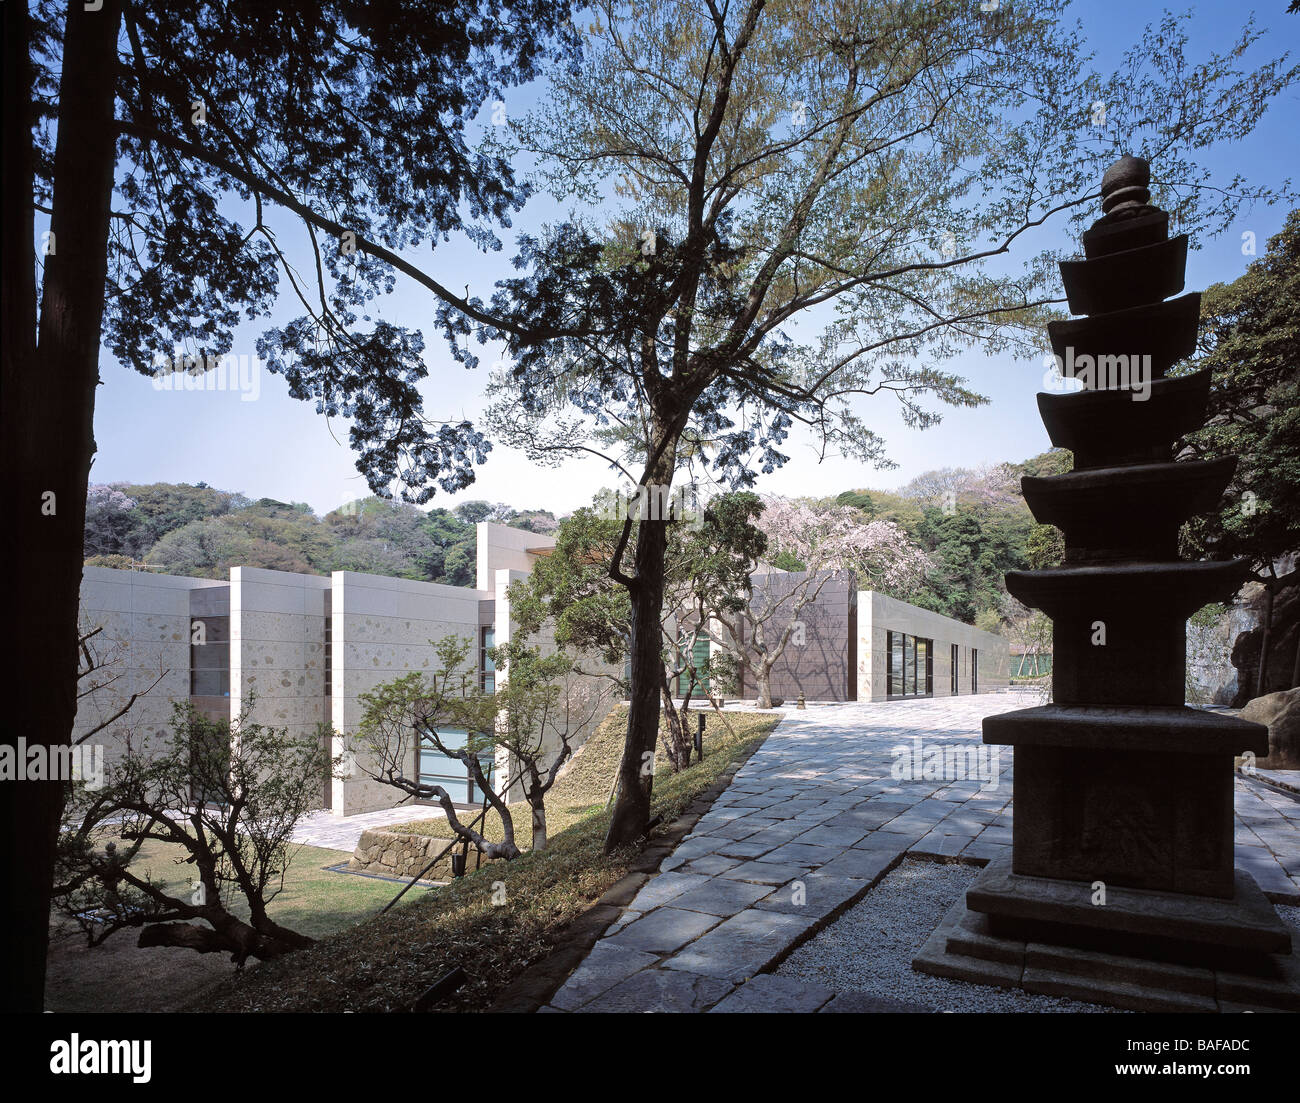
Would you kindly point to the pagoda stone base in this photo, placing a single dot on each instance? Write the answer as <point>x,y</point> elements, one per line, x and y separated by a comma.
<point>1142,951</point>
<point>1105,815</point>
<point>1136,797</point>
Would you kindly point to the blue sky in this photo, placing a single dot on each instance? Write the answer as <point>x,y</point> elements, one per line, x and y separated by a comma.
<point>280,448</point>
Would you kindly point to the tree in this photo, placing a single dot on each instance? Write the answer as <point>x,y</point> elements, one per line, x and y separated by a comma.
<point>471,513</point>
<point>825,543</point>
<point>108,521</point>
<point>267,534</point>
<point>141,129</point>
<point>1030,632</point>
<point>776,158</point>
<point>385,537</point>
<point>454,557</point>
<point>1250,342</point>
<point>707,560</point>
<point>709,570</point>
<point>858,499</point>
<point>229,798</point>
<point>539,708</point>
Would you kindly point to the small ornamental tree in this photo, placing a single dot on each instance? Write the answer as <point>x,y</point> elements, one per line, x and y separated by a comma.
<point>229,797</point>
<point>541,706</point>
<point>543,703</point>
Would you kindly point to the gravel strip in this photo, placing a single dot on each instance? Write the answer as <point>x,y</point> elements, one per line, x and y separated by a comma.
<point>870,948</point>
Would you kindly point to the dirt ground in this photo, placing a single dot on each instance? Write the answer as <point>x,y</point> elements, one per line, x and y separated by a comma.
<point>118,976</point>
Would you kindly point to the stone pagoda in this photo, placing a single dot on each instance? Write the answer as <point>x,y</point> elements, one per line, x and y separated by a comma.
<point>1121,887</point>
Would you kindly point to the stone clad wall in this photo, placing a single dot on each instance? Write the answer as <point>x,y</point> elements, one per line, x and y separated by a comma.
<point>382,628</point>
<point>145,619</point>
<point>277,647</point>
<point>817,662</point>
<point>501,547</point>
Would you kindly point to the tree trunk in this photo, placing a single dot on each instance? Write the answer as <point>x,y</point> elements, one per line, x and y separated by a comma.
<point>233,937</point>
<point>539,824</point>
<point>763,678</point>
<point>636,770</point>
<point>1265,643</point>
<point>49,380</point>
<point>677,740</point>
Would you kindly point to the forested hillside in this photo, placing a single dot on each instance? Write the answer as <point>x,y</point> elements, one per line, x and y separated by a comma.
<point>972,522</point>
<point>200,531</point>
<point>975,526</point>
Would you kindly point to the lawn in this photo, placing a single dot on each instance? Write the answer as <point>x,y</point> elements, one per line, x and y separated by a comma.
<point>118,976</point>
<point>496,921</point>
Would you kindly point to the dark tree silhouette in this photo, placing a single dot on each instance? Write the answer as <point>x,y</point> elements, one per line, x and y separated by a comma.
<point>139,127</point>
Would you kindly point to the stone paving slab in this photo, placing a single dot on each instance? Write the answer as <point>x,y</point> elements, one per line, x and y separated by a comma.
<point>818,894</point>
<point>722,896</point>
<point>770,994</point>
<point>743,945</point>
<point>604,967</point>
<point>811,821</point>
<point>661,991</point>
<point>661,931</point>
<point>331,832</point>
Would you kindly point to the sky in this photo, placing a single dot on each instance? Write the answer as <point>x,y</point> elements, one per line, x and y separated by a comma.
<point>257,440</point>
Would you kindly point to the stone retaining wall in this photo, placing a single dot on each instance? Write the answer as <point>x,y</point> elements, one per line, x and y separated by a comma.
<point>394,855</point>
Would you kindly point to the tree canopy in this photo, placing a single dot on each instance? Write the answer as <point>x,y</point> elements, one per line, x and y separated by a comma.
<point>1250,341</point>
<point>867,167</point>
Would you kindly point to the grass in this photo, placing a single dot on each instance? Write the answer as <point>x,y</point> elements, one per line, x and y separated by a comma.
<point>494,922</point>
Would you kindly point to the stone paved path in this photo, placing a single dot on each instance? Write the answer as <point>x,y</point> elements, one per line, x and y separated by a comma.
<point>809,824</point>
<point>333,832</point>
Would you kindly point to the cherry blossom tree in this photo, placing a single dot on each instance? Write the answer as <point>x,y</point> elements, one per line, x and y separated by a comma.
<point>821,543</point>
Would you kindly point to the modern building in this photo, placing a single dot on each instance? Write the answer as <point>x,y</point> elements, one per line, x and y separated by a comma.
<point>859,645</point>
<point>308,646</point>
<point>905,651</point>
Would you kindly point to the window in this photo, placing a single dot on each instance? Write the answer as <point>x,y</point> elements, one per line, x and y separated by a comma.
<point>210,656</point>
<point>699,658</point>
<point>487,668</point>
<point>328,657</point>
<point>974,671</point>
<point>435,768</point>
<point>956,660</point>
<point>909,665</point>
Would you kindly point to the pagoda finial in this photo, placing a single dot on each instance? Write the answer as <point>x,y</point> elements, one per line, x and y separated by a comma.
<point>1125,188</point>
